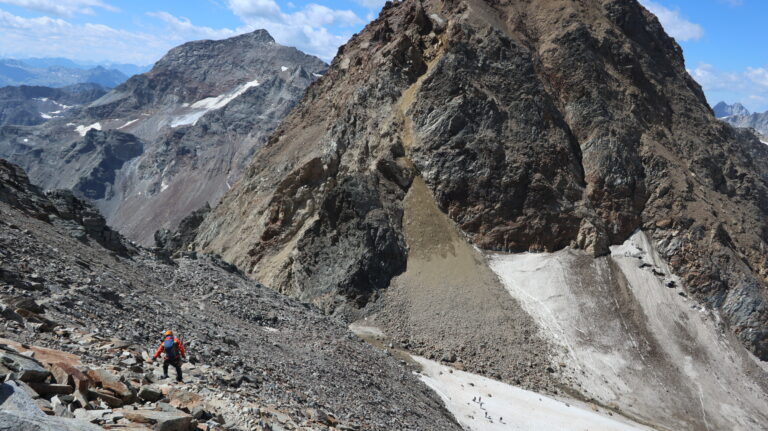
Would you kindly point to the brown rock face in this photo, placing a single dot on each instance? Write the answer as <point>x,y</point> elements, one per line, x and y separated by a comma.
<point>535,125</point>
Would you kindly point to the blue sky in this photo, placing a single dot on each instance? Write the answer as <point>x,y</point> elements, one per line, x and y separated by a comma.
<point>724,40</point>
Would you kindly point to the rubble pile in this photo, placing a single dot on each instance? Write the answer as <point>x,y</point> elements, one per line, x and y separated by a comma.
<point>126,393</point>
<point>87,319</point>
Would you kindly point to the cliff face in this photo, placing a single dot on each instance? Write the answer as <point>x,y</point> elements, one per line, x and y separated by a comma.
<point>195,119</point>
<point>534,126</point>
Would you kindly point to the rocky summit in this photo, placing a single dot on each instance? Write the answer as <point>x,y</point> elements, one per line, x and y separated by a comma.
<point>169,141</point>
<point>451,139</point>
<point>473,99</point>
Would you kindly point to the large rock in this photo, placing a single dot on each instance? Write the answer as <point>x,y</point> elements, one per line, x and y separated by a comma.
<point>185,400</point>
<point>19,412</point>
<point>66,374</point>
<point>23,367</point>
<point>111,382</point>
<point>150,393</point>
<point>160,420</point>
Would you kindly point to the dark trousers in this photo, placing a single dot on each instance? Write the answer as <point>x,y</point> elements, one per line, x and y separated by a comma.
<point>176,364</point>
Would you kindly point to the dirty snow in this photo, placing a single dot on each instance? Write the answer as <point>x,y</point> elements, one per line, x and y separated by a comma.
<point>625,331</point>
<point>128,124</point>
<point>483,404</point>
<point>202,107</point>
<point>82,130</point>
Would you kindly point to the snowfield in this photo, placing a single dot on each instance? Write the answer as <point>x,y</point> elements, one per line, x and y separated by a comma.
<point>482,404</point>
<point>204,106</point>
<point>128,124</point>
<point>82,130</point>
<point>631,338</point>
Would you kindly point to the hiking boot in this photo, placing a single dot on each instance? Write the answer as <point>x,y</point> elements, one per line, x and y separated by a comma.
<point>165,376</point>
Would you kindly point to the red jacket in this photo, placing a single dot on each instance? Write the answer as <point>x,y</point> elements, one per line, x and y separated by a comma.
<point>178,346</point>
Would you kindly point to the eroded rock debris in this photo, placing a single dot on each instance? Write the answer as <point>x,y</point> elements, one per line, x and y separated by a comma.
<point>79,322</point>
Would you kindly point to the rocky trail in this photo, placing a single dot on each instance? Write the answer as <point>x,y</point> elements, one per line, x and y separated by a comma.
<point>257,360</point>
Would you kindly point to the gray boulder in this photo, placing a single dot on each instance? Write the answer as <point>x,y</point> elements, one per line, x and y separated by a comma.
<point>19,412</point>
<point>23,367</point>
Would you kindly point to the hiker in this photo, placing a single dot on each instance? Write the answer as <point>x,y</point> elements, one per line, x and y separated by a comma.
<point>174,351</point>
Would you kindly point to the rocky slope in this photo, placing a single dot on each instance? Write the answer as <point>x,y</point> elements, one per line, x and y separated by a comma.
<point>530,127</point>
<point>169,141</point>
<point>254,355</point>
<point>29,106</point>
<point>738,116</point>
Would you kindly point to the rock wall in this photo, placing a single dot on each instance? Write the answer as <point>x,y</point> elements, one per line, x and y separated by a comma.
<point>535,126</point>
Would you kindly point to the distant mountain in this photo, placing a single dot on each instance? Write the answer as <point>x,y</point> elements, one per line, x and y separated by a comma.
<point>171,140</point>
<point>31,105</point>
<point>58,72</point>
<point>738,116</point>
<point>723,110</point>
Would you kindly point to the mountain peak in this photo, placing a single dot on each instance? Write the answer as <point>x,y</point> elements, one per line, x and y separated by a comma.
<point>260,35</point>
<point>723,110</point>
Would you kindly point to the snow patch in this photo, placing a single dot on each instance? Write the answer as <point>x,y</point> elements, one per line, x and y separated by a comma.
<point>765,142</point>
<point>128,124</point>
<point>202,107</point>
<point>26,140</point>
<point>317,75</point>
<point>283,68</point>
<point>82,130</point>
<point>163,186</point>
<point>46,116</point>
<point>617,322</point>
<point>480,403</point>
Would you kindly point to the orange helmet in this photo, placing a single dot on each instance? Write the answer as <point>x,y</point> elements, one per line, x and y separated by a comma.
<point>168,332</point>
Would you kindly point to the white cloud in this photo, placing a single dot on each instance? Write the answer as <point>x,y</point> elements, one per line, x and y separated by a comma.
<point>62,7</point>
<point>315,29</point>
<point>749,86</point>
<point>183,29</point>
<point>57,37</point>
<point>249,8</point>
<point>674,23</point>
<point>758,76</point>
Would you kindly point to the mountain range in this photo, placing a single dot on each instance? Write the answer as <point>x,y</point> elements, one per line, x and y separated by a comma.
<point>30,105</point>
<point>525,212</point>
<point>61,73</point>
<point>172,140</point>
<point>739,116</point>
